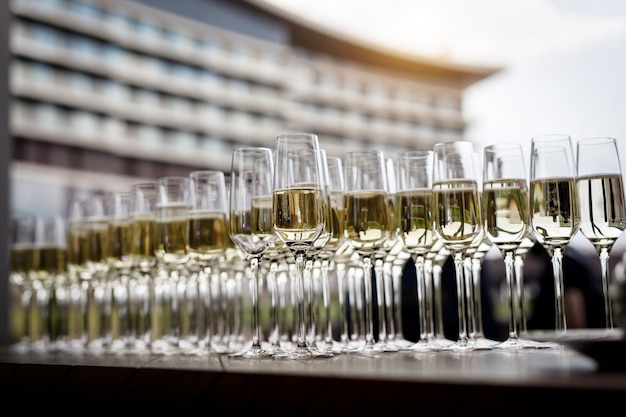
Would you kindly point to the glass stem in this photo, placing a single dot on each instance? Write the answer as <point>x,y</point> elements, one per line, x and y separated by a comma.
<point>301,342</point>
<point>509,265</point>
<point>519,278</point>
<point>604,267</point>
<point>470,297</point>
<point>557,270</point>
<point>344,336</point>
<point>328,327</point>
<point>461,297</point>
<point>256,327</point>
<point>369,305</point>
<point>380,298</point>
<point>421,297</point>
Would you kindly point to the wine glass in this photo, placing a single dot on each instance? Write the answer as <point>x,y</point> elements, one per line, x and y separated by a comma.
<point>208,231</point>
<point>251,227</point>
<point>554,208</point>
<point>602,210</point>
<point>171,303</point>
<point>414,211</point>
<point>117,209</point>
<point>298,212</point>
<point>457,218</point>
<point>21,260</point>
<point>506,219</point>
<point>383,260</point>
<point>87,229</point>
<point>332,171</point>
<point>142,205</point>
<point>366,224</point>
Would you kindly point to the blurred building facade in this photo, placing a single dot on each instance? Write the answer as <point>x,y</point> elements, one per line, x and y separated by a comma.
<point>105,93</point>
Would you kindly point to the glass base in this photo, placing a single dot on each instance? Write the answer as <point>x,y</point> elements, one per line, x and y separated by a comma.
<point>303,351</point>
<point>251,352</point>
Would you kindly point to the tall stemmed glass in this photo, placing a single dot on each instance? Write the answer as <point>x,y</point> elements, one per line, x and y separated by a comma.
<point>414,209</point>
<point>172,236</point>
<point>21,261</point>
<point>142,206</point>
<point>251,227</point>
<point>555,215</point>
<point>336,246</point>
<point>332,170</point>
<point>208,233</point>
<point>366,224</point>
<point>120,263</point>
<point>457,217</point>
<point>506,218</point>
<point>602,210</point>
<point>49,305</point>
<point>299,217</point>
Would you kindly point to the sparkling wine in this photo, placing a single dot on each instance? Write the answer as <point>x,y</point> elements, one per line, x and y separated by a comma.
<point>457,213</point>
<point>171,233</point>
<point>602,210</point>
<point>367,219</point>
<point>120,243</point>
<point>299,216</point>
<point>143,240</point>
<point>414,211</point>
<point>207,234</point>
<point>505,204</point>
<point>554,210</point>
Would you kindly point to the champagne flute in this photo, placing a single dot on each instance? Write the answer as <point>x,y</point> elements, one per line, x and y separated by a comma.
<point>21,260</point>
<point>332,170</point>
<point>602,210</point>
<point>299,218</point>
<point>506,219</point>
<point>169,323</point>
<point>366,224</point>
<point>208,231</point>
<point>555,215</point>
<point>457,218</point>
<point>49,306</point>
<point>142,205</point>
<point>251,226</point>
<point>414,210</point>
<point>120,263</point>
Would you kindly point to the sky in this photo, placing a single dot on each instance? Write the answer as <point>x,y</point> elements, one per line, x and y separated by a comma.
<point>563,62</point>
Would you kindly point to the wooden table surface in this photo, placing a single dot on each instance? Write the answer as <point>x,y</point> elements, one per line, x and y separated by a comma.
<point>474,383</point>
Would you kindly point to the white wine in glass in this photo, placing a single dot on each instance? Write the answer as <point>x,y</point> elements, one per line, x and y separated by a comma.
<point>506,218</point>
<point>414,208</point>
<point>602,209</point>
<point>298,213</point>
<point>366,226</point>
<point>457,218</point>
<point>251,227</point>
<point>554,205</point>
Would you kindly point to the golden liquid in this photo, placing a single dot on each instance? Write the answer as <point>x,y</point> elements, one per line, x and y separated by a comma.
<point>171,234</point>
<point>505,204</point>
<point>78,252</point>
<point>49,261</point>
<point>143,240</point>
<point>298,216</point>
<point>99,247</point>
<point>602,209</point>
<point>457,215</point>
<point>414,212</point>
<point>120,242</point>
<point>554,210</point>
<point>22,258</point>
<point>366,223</point>
<point>207,235</point>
